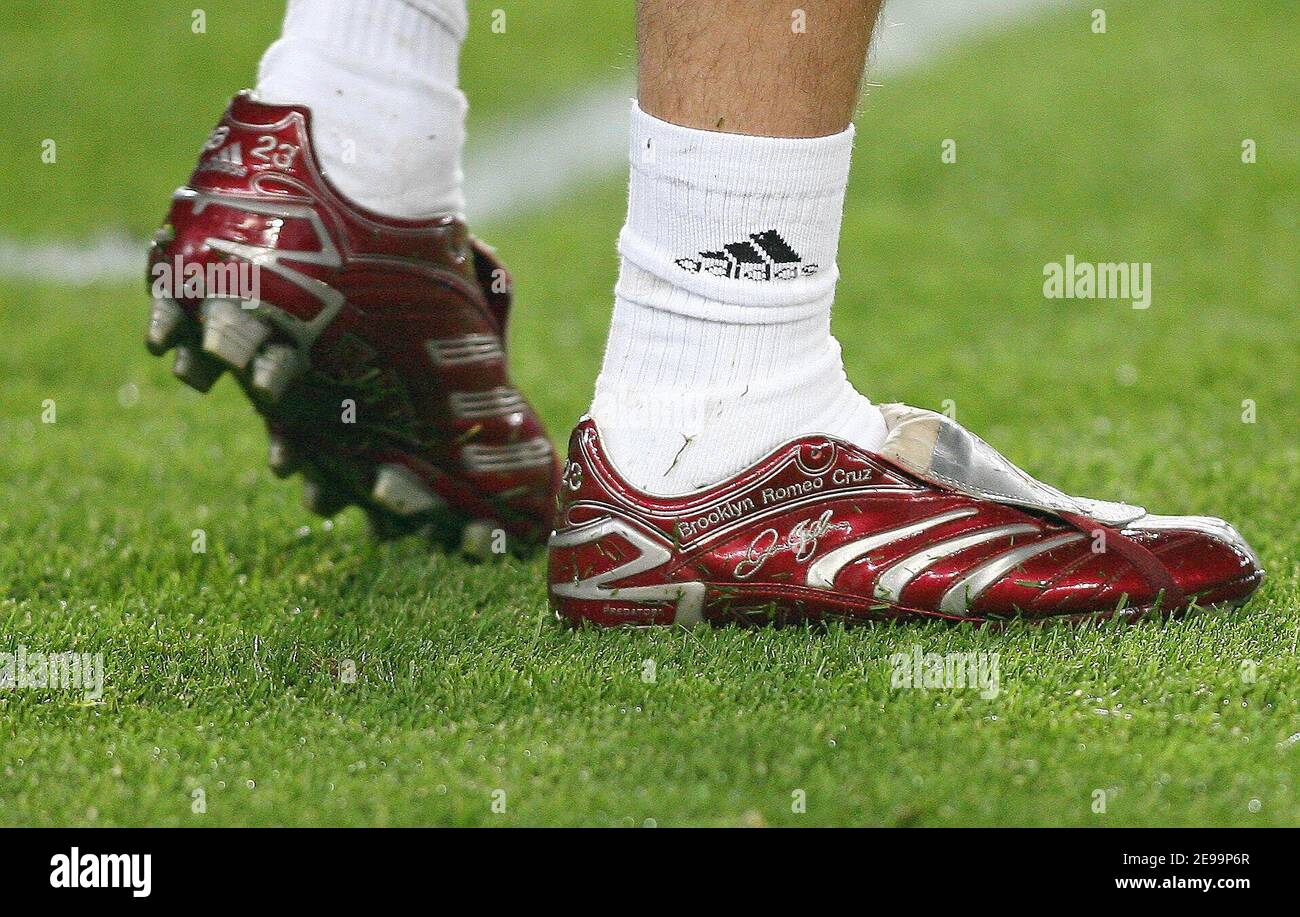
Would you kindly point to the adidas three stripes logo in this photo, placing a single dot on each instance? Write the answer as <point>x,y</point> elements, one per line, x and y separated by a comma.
<point>763,256</point>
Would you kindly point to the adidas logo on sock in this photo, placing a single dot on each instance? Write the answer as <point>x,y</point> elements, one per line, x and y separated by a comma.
<point>229,159</point>
<point>763,256</point>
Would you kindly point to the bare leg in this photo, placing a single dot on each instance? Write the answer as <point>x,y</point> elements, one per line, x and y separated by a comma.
<point>746,67</point>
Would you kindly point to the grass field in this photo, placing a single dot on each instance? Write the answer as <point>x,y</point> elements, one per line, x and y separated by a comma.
<point>224,668</point>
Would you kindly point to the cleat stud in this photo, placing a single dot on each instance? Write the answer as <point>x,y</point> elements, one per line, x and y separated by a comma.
<point>384,526</point>
<point>381,527</point>
<point>273,369</point>
<point>321,499</point>
<point>281,457</point>
<point>400,490</point>
<point>476,539</point>
<point>231,333</point>
<point>197,370</point>
<point>166,322</point>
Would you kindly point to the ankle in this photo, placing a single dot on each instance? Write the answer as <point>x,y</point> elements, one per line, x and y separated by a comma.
<point>683,402</point>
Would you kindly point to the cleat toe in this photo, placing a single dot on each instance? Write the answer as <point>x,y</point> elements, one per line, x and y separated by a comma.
<point>166,323</point>
<point>400,490</point>
<point>197,370</point>
<point>231,333</point>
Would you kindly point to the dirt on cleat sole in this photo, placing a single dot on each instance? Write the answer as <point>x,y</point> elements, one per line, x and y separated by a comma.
<point>387,526</point>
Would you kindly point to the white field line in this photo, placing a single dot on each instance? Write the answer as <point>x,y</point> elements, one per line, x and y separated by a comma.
<point>520,167</point>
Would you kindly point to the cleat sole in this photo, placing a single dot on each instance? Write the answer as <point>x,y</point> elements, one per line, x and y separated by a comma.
<point>196,369</point>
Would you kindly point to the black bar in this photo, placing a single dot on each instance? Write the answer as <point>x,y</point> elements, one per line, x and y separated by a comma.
<point>336,867</point>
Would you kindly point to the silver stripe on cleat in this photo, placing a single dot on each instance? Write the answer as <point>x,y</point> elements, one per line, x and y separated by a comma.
<point>533,453</point>
<point>400,490</point>
<point>822,573</point>
<point>166,321</point>
<point>230,332</point>
<point>195,368</point>
<point>891,583</point>
<point>274,368</point>
<point>494,402</point>
<point>958,598</point>
<point>468,348</point>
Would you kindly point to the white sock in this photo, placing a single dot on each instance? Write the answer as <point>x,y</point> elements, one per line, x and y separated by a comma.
<point>705,371</point>
<point>380,78</point>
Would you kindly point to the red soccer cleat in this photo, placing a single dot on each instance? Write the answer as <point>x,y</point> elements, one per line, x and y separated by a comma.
<point>374,347</point>
<point>935,525</point>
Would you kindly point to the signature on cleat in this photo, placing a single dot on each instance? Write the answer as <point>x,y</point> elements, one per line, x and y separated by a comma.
<point>801,541</point>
